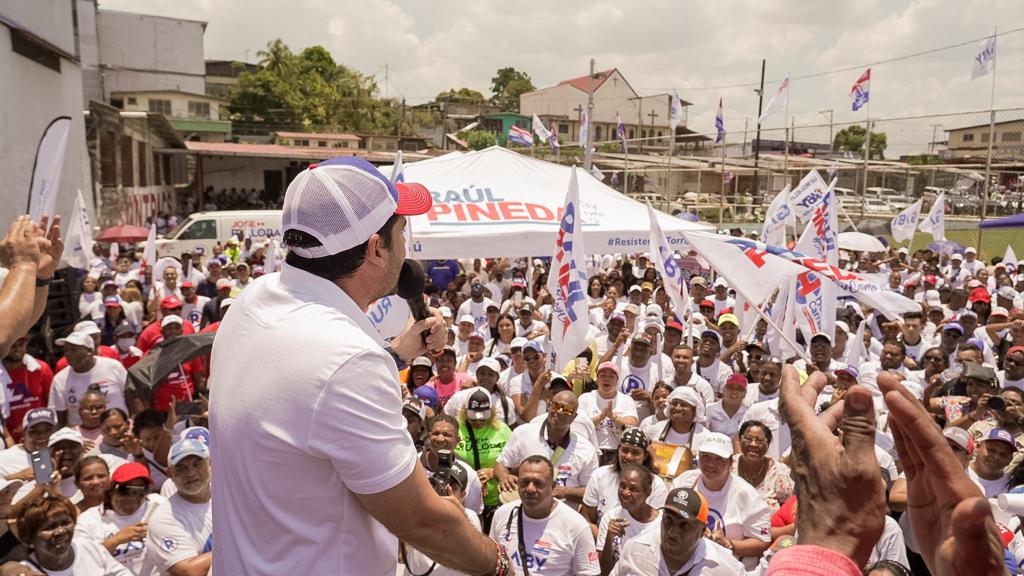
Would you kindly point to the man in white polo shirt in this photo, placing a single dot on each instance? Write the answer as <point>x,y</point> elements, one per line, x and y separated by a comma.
<point>83,370</point>
<point>324,482</point>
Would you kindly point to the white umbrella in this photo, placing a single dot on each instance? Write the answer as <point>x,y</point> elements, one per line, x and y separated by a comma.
<point>860,242</point>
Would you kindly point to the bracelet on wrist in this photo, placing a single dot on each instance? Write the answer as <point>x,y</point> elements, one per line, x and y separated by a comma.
<point>43,282</point>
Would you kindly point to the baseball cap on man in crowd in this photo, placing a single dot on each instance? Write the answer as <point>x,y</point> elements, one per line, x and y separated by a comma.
<point>343,201</point>
<point>687,503</point>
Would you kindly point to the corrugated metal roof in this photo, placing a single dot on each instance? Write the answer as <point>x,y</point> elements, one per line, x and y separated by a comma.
<point>293,152</point>
<point>315,135</point>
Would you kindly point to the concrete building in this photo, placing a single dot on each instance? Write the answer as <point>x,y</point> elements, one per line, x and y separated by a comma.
<point>318,140</point>
<point>222,76</point>
<point>41,80</point>
<point>645,118</point>
<point>195,117</point>
<point>970,144</point>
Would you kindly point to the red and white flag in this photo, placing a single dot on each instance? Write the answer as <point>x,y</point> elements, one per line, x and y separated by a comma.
<point>567,283</point>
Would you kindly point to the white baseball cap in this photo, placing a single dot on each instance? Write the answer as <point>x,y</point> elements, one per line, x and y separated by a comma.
<point>65,434</point>
<point>171,319</point>
<point>77,339</point>
<point>932,298</point>
<point>518,342</point>
<point>446,312</point>
<point>467,318</point>
<point>343,201</point>
<point>717,444</point>
<point>227,302</point>
<point>721,281</point>
<point>87,327</point>
<point>971,250</point>
<point>489,363</point>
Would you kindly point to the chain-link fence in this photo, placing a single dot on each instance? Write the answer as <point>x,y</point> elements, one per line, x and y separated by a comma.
<point>913,157</point>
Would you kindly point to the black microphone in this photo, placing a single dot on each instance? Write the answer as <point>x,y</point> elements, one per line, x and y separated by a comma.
<point>411,283</point>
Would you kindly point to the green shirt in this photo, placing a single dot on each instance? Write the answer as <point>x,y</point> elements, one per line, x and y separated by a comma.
<point>490,441</point>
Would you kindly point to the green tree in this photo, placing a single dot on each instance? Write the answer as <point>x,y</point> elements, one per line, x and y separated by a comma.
<point>462,95</point>
<point>506,87</point>
<point>277,58</point>
<point>480,139</point>
<point>851,139</point>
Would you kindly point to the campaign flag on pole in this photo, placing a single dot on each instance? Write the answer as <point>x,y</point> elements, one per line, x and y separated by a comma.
<point>665,262</point>
<point>675,112</point>
<point>397,175</point>
<point>719,123</point>
<point>115,251</point>
<point>42,198</point>
<point>584,129</point>
<point>936,220</point>
<point>861,90</point>
<point>398,170</point>
<point>520,136</point>
<point>807,194</point>
<point>815,300</point>
<point>149,254</point>
<point>782,316</point>
<point>779,214</point>
<point>620,132</point>
<point>554,136</point>
<point>78,239</point>
<point>540,130</point>
<point>1010,259</point>
<point>985,60</point>
<point>855,352</point>
<point>864,290</point>
<point>751,270</point>
<point>833,169</point>
<point>904,225</point>
<point>778,102</point>
<point>567,283</point>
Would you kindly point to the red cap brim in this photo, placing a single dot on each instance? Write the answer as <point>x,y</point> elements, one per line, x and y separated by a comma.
<point>413,199</point>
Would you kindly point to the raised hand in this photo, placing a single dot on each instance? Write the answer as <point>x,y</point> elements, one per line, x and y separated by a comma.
<point>951,518</point>
<point>50,244</point>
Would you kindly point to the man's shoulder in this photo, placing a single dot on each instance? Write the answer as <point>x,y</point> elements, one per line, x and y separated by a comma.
<point>568,515</point>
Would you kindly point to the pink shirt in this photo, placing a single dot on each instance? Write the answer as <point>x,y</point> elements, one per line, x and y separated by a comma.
<point>811,560</point>
<point>446,391</point>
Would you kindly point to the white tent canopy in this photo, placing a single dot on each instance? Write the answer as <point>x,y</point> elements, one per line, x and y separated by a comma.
<point>497,203</point>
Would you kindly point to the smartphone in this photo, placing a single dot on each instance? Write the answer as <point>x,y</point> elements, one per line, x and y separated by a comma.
<point>42,466</point>
<point>188,408</point>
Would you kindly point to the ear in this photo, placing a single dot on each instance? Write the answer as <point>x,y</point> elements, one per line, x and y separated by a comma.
<point>376,253</point>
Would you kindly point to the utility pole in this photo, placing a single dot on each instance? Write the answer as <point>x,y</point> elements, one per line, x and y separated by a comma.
<point>401,120</point>
<point>931,145</point>
<point>588,155</point>
<point>757,142</point>
<point>387,80</point>
<point>831,126</point>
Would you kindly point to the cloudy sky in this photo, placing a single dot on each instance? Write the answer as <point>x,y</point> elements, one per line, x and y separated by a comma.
<point>706,50</point>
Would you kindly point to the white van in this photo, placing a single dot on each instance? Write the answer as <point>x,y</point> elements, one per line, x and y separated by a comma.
<point>202,230</point>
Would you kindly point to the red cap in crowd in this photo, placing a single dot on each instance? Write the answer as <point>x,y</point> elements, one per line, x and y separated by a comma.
<point>170,302</point>
<point>980,294</point>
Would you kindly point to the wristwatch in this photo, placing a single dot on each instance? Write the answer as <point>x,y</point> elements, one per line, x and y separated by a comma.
<point>399,363</point>
<point>42,282</point>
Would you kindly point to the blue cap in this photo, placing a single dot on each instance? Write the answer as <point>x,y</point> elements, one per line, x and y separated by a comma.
<point>534,345</point>
<point>187,447</point>
<point>953,326</point>
<point>1000,435</point>
<point>428,395</point>
<point>39,416</point>
<point>200,433</point>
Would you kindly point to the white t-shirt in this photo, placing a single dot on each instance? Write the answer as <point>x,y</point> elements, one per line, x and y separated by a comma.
<point>643,378</point>
<point>993,488</point>
<point>716,374</point>
<point>573,469</point>
<point>737,506</point>
<point>891,545</point>
<point>754,395</point>
<point>417,563</point>
<point>193,311</point>
<point>99,523</point>
<point>603,490</point>
<point>720,421</point>
<point>474,499</point>
<point>296,467</point>
<point>641,556</point>
<point>559,545</point>
<point>14,459</point>
<point>178,531</point>
<point>591,404</point>
<point>477,310</point>
<point>634,529</point>
<point>90,558</point>
<point>702,386</point>
<point>68,387</point>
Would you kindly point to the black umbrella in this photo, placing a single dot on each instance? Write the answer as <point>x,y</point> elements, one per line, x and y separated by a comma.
<point>164,358</point>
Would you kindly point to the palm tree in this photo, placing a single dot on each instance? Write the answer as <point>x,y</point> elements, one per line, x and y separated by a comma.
<point>277,58</point>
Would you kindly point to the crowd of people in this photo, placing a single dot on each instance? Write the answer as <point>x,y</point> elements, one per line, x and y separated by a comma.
<point>676,442</point>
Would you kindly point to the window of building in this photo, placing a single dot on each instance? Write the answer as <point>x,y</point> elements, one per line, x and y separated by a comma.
<point>158,106</point>
<point>968,137</point>
<point>630,134</point>
<point>1011,137</point>
<point>165,167</point>
<point>143,164</point>
<point>302,142</point>
<point>108,158</point>
<point>35,50</point>
<point>199,109</point>
<point>659,133</point>
<point>563,128</point>
<point>597,134</point>
<point>127,166</point>
<point>321,143</point>
<point>133,100</point>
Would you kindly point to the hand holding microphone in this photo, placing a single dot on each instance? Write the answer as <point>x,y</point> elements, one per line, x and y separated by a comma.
<point>428,331</point>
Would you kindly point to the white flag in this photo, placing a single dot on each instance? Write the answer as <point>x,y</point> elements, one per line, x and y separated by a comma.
<point>779,215</point>
<point>1010,259</point>
<point>782,316</point>
<point>675,113</point>
<point>936,220</point>
<point>115,251</point>
<point>752,271</point>
<point>904,225</point>
<point>567,283</point>
<point>807,194</point>
<point>540,130</point>
<point>985,60</point>
<point>270,255</point>
<point>665,262</point>
<point>855,352</point>
<point>815,300</point>
<point>398,175</point>
<point>149,254</point>
<point>78,239</point>
<point>47,168</point>
<point>584,130</point>
<point>778,102</point>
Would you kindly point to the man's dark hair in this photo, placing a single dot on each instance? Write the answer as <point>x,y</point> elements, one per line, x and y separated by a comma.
<point>443,418</point>
<point>646,477</point>
<point>538,459</point>
<point>898,344</point>
<point>1012,390</point>
<point>913,315</point>
<point>148,418</point>
<point>335,266</point>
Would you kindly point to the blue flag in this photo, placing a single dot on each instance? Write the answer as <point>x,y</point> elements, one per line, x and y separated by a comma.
<point>719,123</point>
<point>620,132</point>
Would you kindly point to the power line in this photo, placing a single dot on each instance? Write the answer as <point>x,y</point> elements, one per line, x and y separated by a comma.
<point>854,67</point>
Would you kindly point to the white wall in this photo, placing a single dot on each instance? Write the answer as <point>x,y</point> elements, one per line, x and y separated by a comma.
<point>31,96</point>
<point>226,172</point>
<point>151,53</point>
